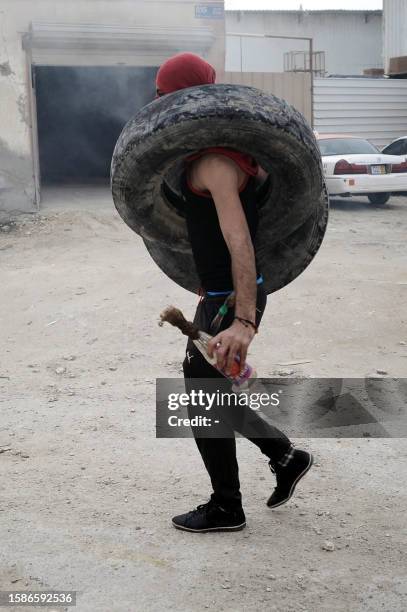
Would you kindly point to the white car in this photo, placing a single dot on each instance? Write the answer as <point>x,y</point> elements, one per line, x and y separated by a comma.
<point>397,147</point>
<point>354,166</point>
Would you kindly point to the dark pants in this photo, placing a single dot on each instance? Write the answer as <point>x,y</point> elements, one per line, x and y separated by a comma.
<point>219,454</point>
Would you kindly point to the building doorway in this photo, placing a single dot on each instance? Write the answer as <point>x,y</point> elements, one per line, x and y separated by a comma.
<point>81,111</point>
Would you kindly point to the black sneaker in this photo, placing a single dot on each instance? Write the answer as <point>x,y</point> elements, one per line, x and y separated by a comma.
<point>288,476</point>
<point>210,517</point>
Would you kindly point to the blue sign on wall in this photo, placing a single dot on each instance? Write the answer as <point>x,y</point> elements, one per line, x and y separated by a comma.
<point>209,11</point>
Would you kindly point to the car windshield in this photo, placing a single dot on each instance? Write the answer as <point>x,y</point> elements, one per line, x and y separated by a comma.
<point>345,146</point>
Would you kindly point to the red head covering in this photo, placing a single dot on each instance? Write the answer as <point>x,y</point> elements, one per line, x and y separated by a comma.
<point>184,70</point>
<point>188,70</point>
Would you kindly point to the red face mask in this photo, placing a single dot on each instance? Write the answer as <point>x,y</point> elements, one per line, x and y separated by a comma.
<point>183,70</point>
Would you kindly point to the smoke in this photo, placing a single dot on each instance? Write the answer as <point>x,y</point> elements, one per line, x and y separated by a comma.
<point>81,112</point>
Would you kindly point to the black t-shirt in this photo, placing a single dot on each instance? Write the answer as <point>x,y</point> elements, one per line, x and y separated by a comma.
<point>210,251</point>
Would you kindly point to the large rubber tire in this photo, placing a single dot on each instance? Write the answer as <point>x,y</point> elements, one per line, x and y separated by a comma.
<point>148,157</point>
<point>379,199</point>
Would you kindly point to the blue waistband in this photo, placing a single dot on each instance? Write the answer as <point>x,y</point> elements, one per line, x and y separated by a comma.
<point>212,293</point>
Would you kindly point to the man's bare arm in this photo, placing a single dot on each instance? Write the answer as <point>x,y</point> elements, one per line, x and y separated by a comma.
<point>221,176</point>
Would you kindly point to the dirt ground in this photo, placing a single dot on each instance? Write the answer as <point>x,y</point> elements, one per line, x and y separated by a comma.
<point>87,492</point>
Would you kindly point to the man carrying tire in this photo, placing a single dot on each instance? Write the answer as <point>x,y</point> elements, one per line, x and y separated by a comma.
<point>219,187</point>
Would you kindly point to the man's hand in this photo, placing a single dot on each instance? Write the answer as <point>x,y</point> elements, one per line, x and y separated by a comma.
<point>231,343</point>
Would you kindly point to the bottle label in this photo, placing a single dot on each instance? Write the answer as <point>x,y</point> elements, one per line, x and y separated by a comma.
<point>239,379</point>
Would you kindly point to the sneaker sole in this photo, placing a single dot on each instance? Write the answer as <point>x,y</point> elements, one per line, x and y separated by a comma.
<point>234,528</point>
<point>291,493</point>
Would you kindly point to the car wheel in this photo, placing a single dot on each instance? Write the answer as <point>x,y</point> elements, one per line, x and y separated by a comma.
<point>149,156</point>
<point>379,199</point>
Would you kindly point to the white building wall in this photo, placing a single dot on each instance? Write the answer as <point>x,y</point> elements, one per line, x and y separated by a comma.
<point>17,184</point>
<point>375,109</point>
<point>394,30</point>
<point>352,40</point>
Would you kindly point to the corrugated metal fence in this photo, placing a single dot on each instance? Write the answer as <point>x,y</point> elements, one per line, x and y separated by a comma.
<point>394,30</point>
<point>375,109</point>
<point>294,88</point>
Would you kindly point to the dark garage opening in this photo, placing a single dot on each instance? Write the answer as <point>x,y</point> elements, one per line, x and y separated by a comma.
<point>81,112</point>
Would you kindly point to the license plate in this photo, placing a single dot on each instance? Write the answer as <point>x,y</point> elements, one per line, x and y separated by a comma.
<point>378,169</point>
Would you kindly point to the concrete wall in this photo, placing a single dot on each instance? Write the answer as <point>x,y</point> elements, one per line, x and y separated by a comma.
<point>293,88</point>
<point>17,184</point>
<point>352,40</point>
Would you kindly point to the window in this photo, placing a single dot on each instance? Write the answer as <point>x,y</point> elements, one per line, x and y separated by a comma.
<point>346,146</point>
<point>396,148</point>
